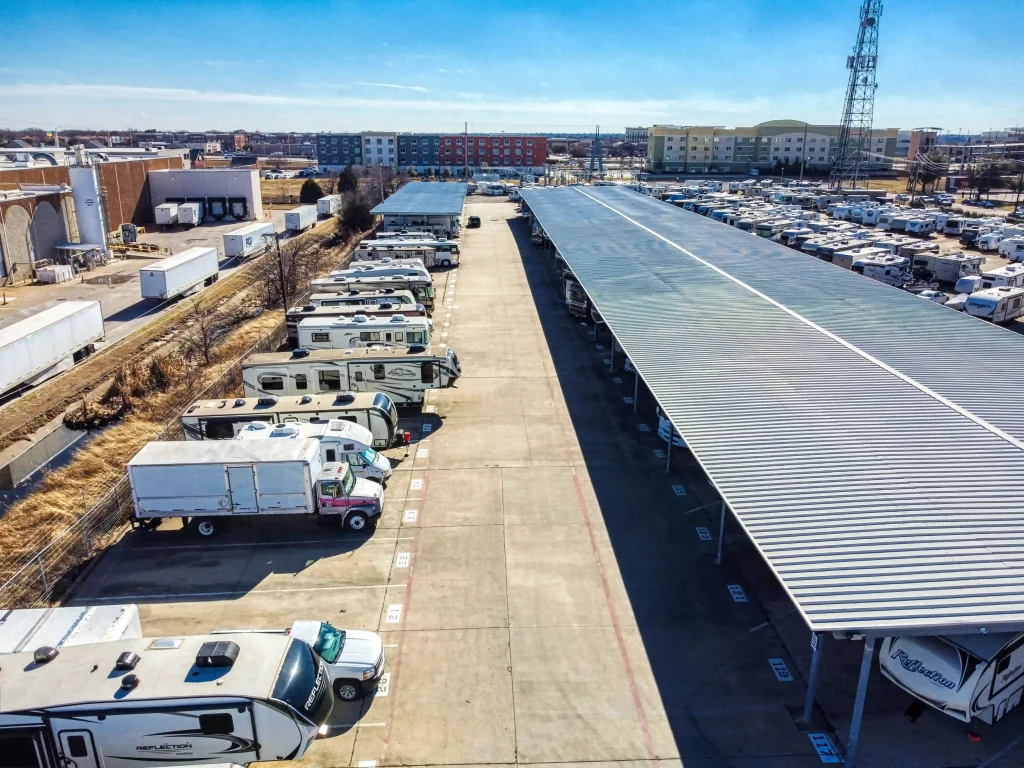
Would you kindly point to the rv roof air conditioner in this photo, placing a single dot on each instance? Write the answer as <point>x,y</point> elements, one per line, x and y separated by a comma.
<point>217,654</point>
<point>127,660</point>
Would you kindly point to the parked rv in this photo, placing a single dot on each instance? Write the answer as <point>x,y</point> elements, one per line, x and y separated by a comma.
<point>402,251</point>
<point>223,419</point>
<point>382,311</point>
<point>419,284</point>
<point>438,244</point>
<point>1011,275</point>
<point>948,268</point>
<point>300,219</point>
<point>403,373</point>
<point>47,343</point>
<point>248,241</point>
<point>171,700</point>
<point>999,305</point>
<point>367,299</point>
<point>26,629</point>
<point>1012,248</point>
<point>204,481</point>
<point>339,441</point>
<point>384,267</point>
<point>363,330</point>
<point>180,274</point>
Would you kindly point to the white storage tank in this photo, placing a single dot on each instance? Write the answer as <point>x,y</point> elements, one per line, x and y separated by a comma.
<point>190,213</point>
<point>248,240</point>
<point>301,218</point>
<point>180,273</point>
<point>166,214</point>
<point>329,205</point>
<point>48,343</point>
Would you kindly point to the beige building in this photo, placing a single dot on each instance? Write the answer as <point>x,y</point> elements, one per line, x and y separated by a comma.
<point>714,149</point>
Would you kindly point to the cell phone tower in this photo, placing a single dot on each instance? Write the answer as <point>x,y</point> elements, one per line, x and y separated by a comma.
<point>853,147</point>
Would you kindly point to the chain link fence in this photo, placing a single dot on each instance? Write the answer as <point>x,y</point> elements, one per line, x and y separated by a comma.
<point>40,578</point>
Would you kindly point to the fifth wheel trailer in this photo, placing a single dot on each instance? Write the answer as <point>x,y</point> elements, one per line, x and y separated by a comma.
<point>48,343</point>
<point>247,241</point>
<point>180,273</point>
<point>203,699</point>
<point>26,629</point>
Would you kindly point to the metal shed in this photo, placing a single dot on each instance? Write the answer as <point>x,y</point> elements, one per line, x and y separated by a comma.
<point>434,207</point>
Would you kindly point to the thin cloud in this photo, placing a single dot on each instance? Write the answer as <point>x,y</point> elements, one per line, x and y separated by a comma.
<point>396,86</point>
<point>224,63</point>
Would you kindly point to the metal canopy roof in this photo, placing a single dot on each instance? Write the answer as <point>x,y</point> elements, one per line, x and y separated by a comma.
<point>868,441</point>
<point>425,198</point>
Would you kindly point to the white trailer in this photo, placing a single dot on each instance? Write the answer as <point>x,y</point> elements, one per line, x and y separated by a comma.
<point>999,305</point>
<point>381,311</point>
<point>364,299</point>
<point>1012,248</point>
<point>26,629</point>
<point>385,267</point>
<point>180,274</point>
<point>1012,275</point>
<point>300,219</point>
<point>248,241</point>
<point>166,214</point>
<point>203,481</point>
<point>364,330</point>
<point>431,257</point>
<point>190,213</point>
<point>402,373</point>
<point>164,701</point>
<point>48,343</point>
<point>223,419</point>
<point>328,205</point>
<point>964,676</point>
<point>989,241</point>
<point>419,284</point>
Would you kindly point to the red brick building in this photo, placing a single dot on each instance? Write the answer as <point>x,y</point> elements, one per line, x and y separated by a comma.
<point>501,150</point>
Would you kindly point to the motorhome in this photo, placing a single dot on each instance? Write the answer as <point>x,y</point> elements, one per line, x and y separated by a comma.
<point>385,267</point>
<point>420,285</point>
<point>364,299</point>
<point>999,305</point>
<point>438,244</point>
<point>402,251</point>
<point>946,268</point>
<point>1012,275</point>
<point>339,441</point>
<point>405,234</point>
<point>382,311</point>
<point>25,629</point>
<point>1012,248</point>
<point>963,676</point>
<point>159,701</point>
<point>363,330</point>
<point>402,373</point>
<point>223,419</point>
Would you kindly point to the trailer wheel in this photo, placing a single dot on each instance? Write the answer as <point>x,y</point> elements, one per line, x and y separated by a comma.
<point>206,527</point>
<point>445,263</point>
<point>348,690</point>
<point>357,521</point>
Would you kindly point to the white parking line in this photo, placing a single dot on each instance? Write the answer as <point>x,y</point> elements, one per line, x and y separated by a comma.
<point>231,592</point>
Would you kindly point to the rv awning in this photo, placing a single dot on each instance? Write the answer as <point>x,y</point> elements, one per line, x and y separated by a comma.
<point>870,442</point>
<point>424,198</point>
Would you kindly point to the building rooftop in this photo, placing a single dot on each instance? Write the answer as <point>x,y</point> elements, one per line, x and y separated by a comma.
<point>425,198</point>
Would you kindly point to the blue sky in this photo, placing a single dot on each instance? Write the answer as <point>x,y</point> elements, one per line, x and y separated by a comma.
<point>543,66</point>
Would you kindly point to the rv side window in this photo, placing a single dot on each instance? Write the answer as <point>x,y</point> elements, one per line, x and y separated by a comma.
<point>330,381</point>
<point>369,336</point>
<point>77,746</point>
<point>416,337</point>
<point>332,455</point>
<point>271,383</point>
<point>19,750</point>
<point>399,336</point>
<point>427,373</point>
<point>321,337</point>
<point>359,375</point>
<point>221,429</point>
<point>1002,664</point>
<point>220,722</point>
<point>300,381</point>
<point>387,337</point>
<point>378,372</point>
<point>1015,303</point>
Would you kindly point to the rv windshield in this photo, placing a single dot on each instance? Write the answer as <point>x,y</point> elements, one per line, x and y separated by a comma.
<point>303,684</point>
<point>348,482</point>
<point>329,643</point>
<point>387,405</point>
<point>369,455</point>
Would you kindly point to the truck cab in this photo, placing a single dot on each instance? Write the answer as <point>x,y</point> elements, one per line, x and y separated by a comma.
<point>340,493</point>
<point>354,658</point>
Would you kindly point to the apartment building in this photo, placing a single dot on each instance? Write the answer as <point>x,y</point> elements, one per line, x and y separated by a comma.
<point>336,150</point>
<point>636,135</point>
<point>714,149</point>
<point>380,149</point>
<point>502,150</point>
<point>419,151</point>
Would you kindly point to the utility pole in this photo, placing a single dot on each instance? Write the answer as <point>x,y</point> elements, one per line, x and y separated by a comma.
<point>803,159</point>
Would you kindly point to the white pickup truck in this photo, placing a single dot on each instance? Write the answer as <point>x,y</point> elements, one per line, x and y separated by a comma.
<point>354,657</point>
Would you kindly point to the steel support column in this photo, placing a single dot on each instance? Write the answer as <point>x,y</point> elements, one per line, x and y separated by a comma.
<point>858,702</point>
<point>636,388</point>
<point>721,533</point>
<point>817,640</point>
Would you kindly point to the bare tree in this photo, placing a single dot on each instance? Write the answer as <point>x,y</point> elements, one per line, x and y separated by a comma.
<point>205,323</point>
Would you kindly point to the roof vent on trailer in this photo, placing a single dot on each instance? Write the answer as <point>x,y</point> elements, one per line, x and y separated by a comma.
<point>309,308</point>
<point>239,402</point>
<point>127,660</point>
<point>44,654</point>
<point>305,399</point>
<point>129,682</point>
<point>398,318</point>
<point>267,400</point>
<point>343,398</point>
<point>221,653</point>
<point>300,352</point>
<point>359,319</point>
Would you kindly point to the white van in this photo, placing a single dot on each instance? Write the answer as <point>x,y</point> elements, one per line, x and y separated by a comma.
<point>999,305</point>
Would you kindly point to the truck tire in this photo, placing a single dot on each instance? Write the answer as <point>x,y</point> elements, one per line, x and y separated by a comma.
<point>348,690</point>
<point>357,521</point>
<point>206,527</point>
<point>445,263</point>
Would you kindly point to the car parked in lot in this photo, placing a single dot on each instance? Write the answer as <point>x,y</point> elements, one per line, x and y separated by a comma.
<point>937,296</point>
<point>474,221</point>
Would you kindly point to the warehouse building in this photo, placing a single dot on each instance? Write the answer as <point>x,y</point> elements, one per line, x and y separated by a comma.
<point>426,207</point>
<point>225,192</point>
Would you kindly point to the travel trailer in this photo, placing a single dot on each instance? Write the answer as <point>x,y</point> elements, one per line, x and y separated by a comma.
<point>432,258</point>
<point>26,629</point>
<point>891,270</point>
<point>963,676</point>
<point>386,267</point>
<point>999,305</point>
<point>1011,275</point>
<point>364,330</point>
<point>365,299</point>
<point>158,701</point>
<point>339,441</point>
<point>382,311</point>
<point>420,285</point>
<point>1012,248</point>
<point>405,234</point>
<point>989,241</point>
<point>845,259</point>
<point>954,226</point>
<point>948,268</point>
<point>223,419</point>
<point>203,482</point>
<point>402,373</point>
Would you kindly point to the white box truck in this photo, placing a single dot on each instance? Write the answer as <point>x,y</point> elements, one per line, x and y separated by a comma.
<point>300,219</point>
<point>248,241</point>
<point>190,213</point>
<point>178,274</point>
<point>166,214</point>
<point>210,479</point>
<point>48,343</point>
<point>328,205</point>
<point>26,629</point>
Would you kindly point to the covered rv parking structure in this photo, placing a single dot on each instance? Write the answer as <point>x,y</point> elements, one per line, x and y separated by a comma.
<point>859,435</point>
<point>425,206</point>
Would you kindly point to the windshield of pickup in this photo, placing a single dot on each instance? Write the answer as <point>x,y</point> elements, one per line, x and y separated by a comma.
<point>329,643</point>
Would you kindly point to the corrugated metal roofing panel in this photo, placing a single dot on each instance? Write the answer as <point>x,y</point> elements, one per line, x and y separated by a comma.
<point>865,439</point>
<point>426,198</point>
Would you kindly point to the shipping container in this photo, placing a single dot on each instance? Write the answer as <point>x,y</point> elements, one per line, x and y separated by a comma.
<point>247,241</point>
<point>329,205</point>
<point>180,273</point>
<point>26,629</point>
<point>190,213</point>
<point>48,343</point>
<point>300,219</point>
<point>166,214</point>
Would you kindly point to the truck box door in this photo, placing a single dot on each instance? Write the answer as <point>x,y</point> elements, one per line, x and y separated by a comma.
<point>242,487</point>
<point>77,749</point>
